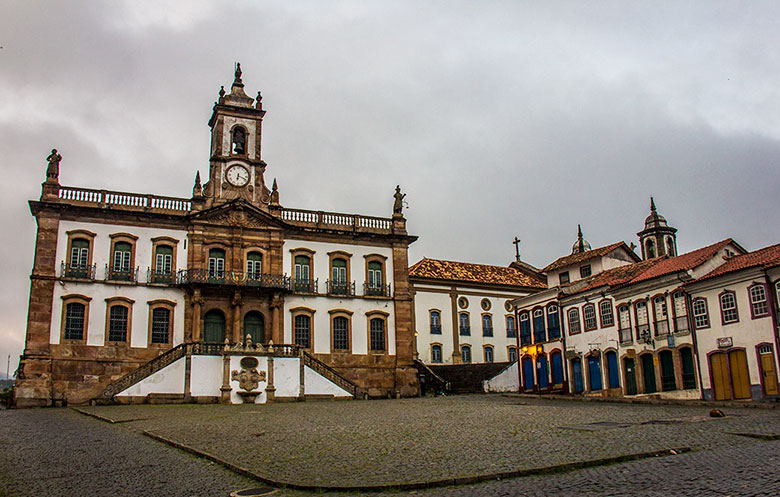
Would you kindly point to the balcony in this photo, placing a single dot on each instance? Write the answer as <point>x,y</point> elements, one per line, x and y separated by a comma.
<point>435,329</point>
<point>340,288</point>
<point>232,278</point>
<point>465,330</point>
<point>377,291</point>
<point>661,328</point>
<point>487,331</point>
<point>121,275</point>
<point>304,286</point>
<point>624,335</point>
<point>160,278</point>
<point>681,324</point>
<point>643,332</point>
<point>81,272</point>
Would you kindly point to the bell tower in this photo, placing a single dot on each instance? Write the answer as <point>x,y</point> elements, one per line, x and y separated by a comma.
<point>236,168</point>
<point>658,239</point>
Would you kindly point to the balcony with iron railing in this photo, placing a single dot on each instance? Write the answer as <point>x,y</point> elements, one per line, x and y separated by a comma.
<point>305,286</point>
<point>661,328</point>
<point>465,330</point>
<point>643,332</point>
<point>78,271</point>
<point>487,331</point>
<point>624,336</point>
<point>232,278</point>
<point>340,288</point>
<point>435,329</point>
<point>128,275</point>
<point>377,291</point>
<point>160,277</point>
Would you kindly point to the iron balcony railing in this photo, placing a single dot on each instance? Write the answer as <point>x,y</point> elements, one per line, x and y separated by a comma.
<point>377,291</point>
<point>487,331</point>
<point>642,331</point>
<point>232,278</point>
<point>340,288</point>
<point>681,324</point>
<point>465,330</point>
<point>661,328</point>
<point>82,272</point>
<point>624,335</point>
<point>124,275</point>
<point>304,286</point>
<point>160,277</point>
<point>435,329</point>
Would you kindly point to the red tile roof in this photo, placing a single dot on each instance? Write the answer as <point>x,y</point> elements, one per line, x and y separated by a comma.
<point>767,257</point>
<point>620,275</point>
<point>473,273</point>
<point>682,262</point>
<point>588,254</point>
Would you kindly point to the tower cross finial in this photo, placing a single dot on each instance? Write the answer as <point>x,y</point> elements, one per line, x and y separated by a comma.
<point>516,243</point>
<point>652,205</point>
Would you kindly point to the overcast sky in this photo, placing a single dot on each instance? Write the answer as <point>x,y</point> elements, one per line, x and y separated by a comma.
<point>498,119</point>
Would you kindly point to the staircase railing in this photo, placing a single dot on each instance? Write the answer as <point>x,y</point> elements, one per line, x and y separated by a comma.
<point>329,373</point>
<point>146,370</point>
<point>437,381</point>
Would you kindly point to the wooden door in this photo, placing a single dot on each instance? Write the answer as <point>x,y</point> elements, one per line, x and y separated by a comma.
<point>214,327</point>
<point>768,372</point>
<point>648,371</point>
<point>630,370</point>
<point>541,371</point>
<point>740,377</point>
<point>576,367</point>
<point>721,385</point>
<point>594,373</point>
<point>528,374</point>
<point>557,369</point>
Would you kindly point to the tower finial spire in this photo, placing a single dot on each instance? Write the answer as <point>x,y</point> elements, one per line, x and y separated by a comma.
<point>237,81</point>
<point>197,189</point>
<point>580,239</point>
<point>652,205</point>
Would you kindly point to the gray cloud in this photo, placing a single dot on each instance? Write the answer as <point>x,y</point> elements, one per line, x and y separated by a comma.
<point>498,119</point>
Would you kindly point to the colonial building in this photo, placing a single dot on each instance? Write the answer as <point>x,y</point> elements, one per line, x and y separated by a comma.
<point>462,311</point>
<point>123,281</point>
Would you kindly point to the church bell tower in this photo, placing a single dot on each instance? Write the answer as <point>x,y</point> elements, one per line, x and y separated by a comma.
<point>236,169</point>
<point>658,239</point>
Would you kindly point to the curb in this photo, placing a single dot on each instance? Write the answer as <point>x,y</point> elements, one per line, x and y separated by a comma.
<point>96,416</point>
<point>648,401</point>
<point>462,480</point>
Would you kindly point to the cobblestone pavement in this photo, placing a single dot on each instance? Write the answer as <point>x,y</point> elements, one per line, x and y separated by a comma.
<point>58,452</point>
<point>417,440</point>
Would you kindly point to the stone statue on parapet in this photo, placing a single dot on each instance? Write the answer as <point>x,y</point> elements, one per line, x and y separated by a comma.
<point>53,171</point>
<point>398,204</point>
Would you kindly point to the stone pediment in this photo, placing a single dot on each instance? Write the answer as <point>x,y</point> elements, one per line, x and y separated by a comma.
<point>237,213</point>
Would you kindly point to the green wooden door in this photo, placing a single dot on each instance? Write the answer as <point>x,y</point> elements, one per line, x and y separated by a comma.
<point>668,381</point>
<point>214,327</point>
<point>648,371</point>
<point>254,326</point>
<point>630,373</point>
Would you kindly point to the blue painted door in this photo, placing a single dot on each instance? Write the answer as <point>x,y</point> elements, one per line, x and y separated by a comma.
<point>557,369</point>
<point>576,367</point>
<point>541,371</point>
<point>528,374</point>
<point>594,371</point>
<point>612,370</point>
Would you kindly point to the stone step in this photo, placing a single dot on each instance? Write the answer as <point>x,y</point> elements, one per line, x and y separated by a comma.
<point>165,398</point>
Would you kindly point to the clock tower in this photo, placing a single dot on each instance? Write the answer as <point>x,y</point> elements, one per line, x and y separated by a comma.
<point>236,168</point>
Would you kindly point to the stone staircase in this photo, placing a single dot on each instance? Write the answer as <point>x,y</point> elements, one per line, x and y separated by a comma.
<point>466,378</point>
<point>330,373</point>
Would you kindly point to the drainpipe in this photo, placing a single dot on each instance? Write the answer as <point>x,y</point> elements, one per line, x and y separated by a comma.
<point>564,362</point>
<point>773,310</point>
<point>689,305</point>
<point>518,350</point>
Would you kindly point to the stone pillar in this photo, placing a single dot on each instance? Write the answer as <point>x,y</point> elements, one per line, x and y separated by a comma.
<point>236,332</point>
<point>197,303</point>
<point>301,378</point>
<point>277,322</point>
<point>456,358</point>
<point>270,390</point>
<point>226,388</point>
<point>188,375</point>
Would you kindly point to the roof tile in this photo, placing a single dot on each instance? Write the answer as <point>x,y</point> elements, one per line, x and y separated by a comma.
<point>475,273</point>
<point>583,256</point>
<point>767,257</point>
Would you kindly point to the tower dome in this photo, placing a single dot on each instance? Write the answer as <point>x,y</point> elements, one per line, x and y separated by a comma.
<point>658,239</point>
<point>581,245</point>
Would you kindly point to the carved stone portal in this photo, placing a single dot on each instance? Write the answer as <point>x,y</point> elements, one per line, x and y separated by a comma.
<point>248,379</point>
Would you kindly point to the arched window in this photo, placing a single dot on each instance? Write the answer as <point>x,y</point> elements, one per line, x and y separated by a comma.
<point>79,254</point>
<point>75,319</point>
<point>377,335</point>
<point>589,317</point>
<point>303,331</point>
<point>511,327</point>
<point>553,322</point>
<point>605,312</point>
<point>163,264</point>
<point>728,307</point>
<point>239,140</point>
<point>465,326</point>
<point>574,321</point>
<point>436,353</point>
<point>525,328</point>
<point>254,327</point>
<point>540,334</point>
<point>338,276</point>
<point>670,246</point>
<point>488,353</point>
<point>161,325</point>
<point>758,301</point>
<point>512,354</point>
<point>465,354</point>
<point>680,311</point>
<point>254,265</point>
<point>701,317</point>
<point>375,278</point>
<point>650,248</point>
<point>624,330</point>
<point>117,323</point>
<point>216,263</point>
<point>435,321</point>
<point>660,315</point>
<point>340,333</point>
<point>642,321</point>
<point>303,274</point>
<point>487,325</point>
<point>123,252</point>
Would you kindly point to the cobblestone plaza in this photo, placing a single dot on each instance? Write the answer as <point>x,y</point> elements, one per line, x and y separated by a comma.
<point>380,443</point>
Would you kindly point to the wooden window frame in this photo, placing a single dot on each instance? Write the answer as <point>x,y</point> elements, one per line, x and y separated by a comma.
<point>263,259</point>
<point>574,311</point>
<point>471,353</point>
<point>430,323</point>
<point>303,311</point>
<point>382,260</point>
<point>664,305</point>
<point>507,317</point>
<point>675,317</point>
<point>347,257</point>
<point>723,311</point>
<point>752,303</point>
<point>560,277</point>
<point>585,268</point>
<point>706,313</point>
<point>460,326</point>
<point>484,330</point>
<point>310,254</point>
<point>509,348</point>
<point>74,298</point>
<point>441,353</point>
<point>168,242</point>
<point>226,264</point>
<point>170,305</point>
<point>121,238</point>
<point>611,313</point>
<point>340,313</point>
<point>371,315</point>
<point>585,326</point>
<point>77,235</point>
<point>485,348</point>
<point>122,302</point>
<point>549,313</point>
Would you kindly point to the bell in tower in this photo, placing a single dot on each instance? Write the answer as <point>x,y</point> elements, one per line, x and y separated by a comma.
<point>658,239</point>
<point>236,167</point>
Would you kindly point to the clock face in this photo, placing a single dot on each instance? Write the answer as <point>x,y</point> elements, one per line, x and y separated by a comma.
<point>237,175</point>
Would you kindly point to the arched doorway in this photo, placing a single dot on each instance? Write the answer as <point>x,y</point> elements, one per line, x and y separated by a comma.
<point>668,381</point>
<point>613,377</point>
<point>594,373</point>
<point>528,374</point>
<point>557,368</point>
<point>719,366</point>
<point>629,369</point>
<point>214,326</point>
<point>689,373</point>
<point>254,326</point>
<point>576,370</point>
<point>541,371</point>
<point>648,372</point>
